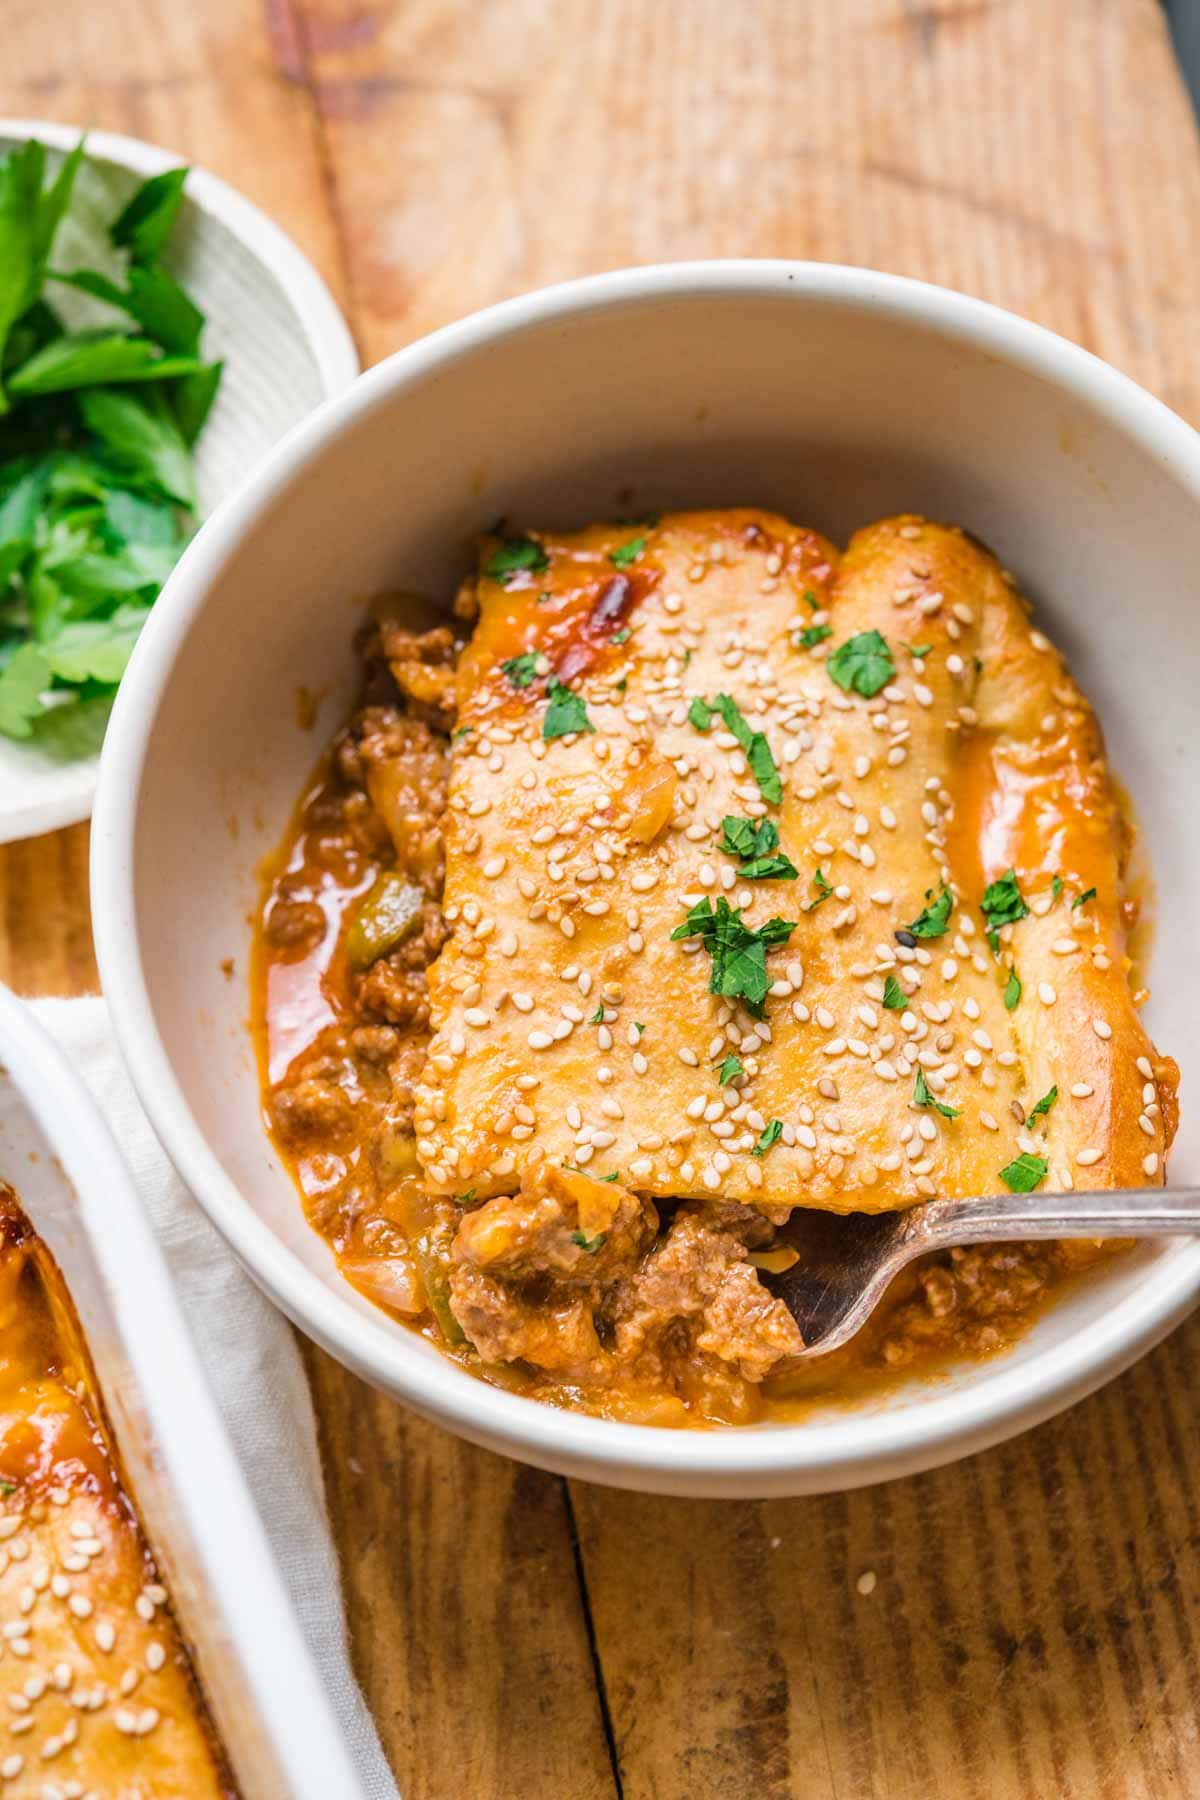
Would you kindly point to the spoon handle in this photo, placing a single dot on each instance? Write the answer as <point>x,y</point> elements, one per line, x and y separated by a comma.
<point>1118,1212</point>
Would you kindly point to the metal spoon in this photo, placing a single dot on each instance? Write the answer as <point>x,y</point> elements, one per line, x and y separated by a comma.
<point>847,1261</point>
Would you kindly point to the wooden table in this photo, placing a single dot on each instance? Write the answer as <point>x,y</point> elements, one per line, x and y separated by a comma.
<point>1034,1629</point>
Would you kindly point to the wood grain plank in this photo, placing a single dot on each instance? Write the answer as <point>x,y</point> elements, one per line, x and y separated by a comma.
<point>461,1584</point>
<point>1033,1625</point>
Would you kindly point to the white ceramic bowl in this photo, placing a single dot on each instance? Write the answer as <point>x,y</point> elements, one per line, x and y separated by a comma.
<point>835,395</point>
<point>270,318</point>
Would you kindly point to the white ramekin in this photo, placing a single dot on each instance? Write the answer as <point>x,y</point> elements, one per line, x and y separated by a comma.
<point>834,394</point>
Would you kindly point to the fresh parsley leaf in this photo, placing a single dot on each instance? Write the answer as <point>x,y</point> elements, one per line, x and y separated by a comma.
<point>824,891</point>
<point>700,714</point>
<point>192,397</point>
<point>739,954</point>
<point>813,634</point>
<point>84,359</point>
<point>758,751</point>
<point>29,218</point>
<point>934,919</point>
<point>1002,904</point>
<point>142,436</point>
<point>1082,899</point>
<point>755,839</point>
<point>770,868</point>
<point>1043,1106</point>
<point>1024,1173</point>
<point>922,1096</point>
<point>516,553</point>
<point>95,649</point>
<point>145,225</point>
<point>23,680</point>
<point>729,1070</point>
<point>770,1134</point>
<point>894,996</point>
<point>863,664</point>
<point>1012,991</point>
<point>919,650</point>
<point>747,837</point>
<point>597,1017</point>
<point>567,711</point>
<point>628,553</point>
<point>521,670</point>
<point>620,637</point>
<point>154,298</point>
<point>590,1245</point>
<point>1056,887</point>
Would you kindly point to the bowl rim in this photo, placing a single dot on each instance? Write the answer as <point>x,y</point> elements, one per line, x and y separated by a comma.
<point>325,331</point>
<point>854,1447</point>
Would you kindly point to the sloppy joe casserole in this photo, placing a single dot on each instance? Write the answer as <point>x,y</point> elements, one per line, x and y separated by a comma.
<point>99,1695</point>
<point>691,873</point>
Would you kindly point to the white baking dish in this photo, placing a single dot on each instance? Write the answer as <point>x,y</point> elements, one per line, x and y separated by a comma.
<point>270,1709</point>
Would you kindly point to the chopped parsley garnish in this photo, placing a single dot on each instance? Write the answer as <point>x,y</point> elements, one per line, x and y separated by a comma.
<point>922,1096</point>
<point>729,1070</point>
<point>824,891</point>
<point>100,418</point>
<point>863,664</point>
<point>597,1017</point>
<point>516,553</point>
<point>812,599</point>
<point>1056,887</point>
<point>620,637</point>
<point>813,634</point>
<point>1043,1106</point>
<point>566,712</point>
<point>624,554</point>
<point>1002,904</point>
<point>1024,1173</point>
<point>638,1027</point>
<point>462,732</point>
<point>466,1198</point>
<point>1012,991</point>
<point>919,650</point>
<point>894,996</point>
<point>758,751</point>
<point>754,840</point>
<point>770,1134</point>
<point>521,670</point>
<point>700,714</point>
<point>1088,894</point>
<point>590,1245</point>
<point>7,1488</point>
<point>739,953</point>
<point>934,919</point>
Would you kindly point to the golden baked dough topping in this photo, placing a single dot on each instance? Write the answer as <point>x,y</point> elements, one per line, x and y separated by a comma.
<point>766,871</point>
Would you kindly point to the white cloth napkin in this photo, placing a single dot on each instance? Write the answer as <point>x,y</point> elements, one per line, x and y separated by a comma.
<point>254,1370</point>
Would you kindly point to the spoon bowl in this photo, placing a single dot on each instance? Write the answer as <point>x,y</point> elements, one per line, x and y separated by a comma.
<point>847,1262</point>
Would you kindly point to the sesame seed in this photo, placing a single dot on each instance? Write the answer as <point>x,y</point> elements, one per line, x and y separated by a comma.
<point>1150,1163</point>
<point>1046,994</point>
<point>1085,1158</point>
<point>1102,1029</point>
